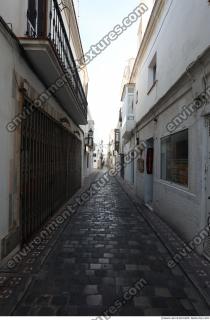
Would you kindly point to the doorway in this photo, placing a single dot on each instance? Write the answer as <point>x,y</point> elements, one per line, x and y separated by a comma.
<point>149,179</point>
<point>122,162</point>
<point>132,167</point>
<point>206,251</point>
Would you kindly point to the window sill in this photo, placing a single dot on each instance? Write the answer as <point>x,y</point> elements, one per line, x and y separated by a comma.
<point>153,85</point>
<point>177,187</point>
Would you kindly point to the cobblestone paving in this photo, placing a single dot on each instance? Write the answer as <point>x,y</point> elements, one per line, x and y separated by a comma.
<point>101,255</point>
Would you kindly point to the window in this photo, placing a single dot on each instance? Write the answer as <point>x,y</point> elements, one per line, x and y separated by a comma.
<point>36,17</point>
<point>137,97</point>
<point>152,76</point>
<point>117,135</point>
<point>117,140</point>
<point>132,106</point>
<point>174,158</point>
<point>32,12</point>
<point>88,160</point>
<point>154,73</point>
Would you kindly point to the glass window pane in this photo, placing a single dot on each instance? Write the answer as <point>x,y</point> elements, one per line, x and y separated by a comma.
<point>174,158</point>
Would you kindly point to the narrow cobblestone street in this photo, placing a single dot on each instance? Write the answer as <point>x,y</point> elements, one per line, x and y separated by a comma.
<point>105,158</point>
<point>105,249</point>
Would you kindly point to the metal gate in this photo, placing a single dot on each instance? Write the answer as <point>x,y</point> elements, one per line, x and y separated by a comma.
<point>122,162</point>
<point>50,169</point>
<point>207,241</point>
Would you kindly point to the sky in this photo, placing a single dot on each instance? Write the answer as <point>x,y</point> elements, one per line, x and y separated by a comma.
<point>96,19</point>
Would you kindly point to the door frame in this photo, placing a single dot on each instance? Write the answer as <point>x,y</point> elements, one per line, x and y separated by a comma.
<point>149,178</point>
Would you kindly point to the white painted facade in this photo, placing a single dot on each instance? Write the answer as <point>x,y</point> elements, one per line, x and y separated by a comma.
<point>16,71</point>
<point>128,123</point>
<point>111,150</point>
<point>128,120</point>
<point>175,42</point>
<point>88,161</point>
<point>14,14</point>
<point>97,157</point>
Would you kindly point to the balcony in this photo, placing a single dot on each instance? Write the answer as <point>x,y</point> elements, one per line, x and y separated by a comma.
<point>48,49</point>
<point>127,113</point>
<point>128,126</point>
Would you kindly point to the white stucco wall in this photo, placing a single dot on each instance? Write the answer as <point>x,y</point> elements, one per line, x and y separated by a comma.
<point>182,207</point>
<point>181,34</point>
<point>129,168</point>
<point>88,170</point>
<point>127,105</point>
<point>144,19</point>
<point>15,12</point>
<point>14,62</point>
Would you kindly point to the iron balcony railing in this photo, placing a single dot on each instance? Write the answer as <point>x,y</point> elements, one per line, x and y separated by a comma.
<point>48,23</point>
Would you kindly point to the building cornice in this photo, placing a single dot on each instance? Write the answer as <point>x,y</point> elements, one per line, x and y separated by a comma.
<point>74,28</point>
<point>9,31</point>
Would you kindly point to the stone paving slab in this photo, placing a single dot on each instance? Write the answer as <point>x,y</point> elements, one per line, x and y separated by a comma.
<point>12,289</point>
<point>98,262</point>
<point>195,266</point>
<point>15,280</point>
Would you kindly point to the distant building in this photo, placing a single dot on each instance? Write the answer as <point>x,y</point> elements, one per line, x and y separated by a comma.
<point>89,147</point>
<point>99,156</point>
